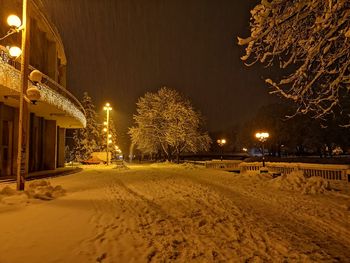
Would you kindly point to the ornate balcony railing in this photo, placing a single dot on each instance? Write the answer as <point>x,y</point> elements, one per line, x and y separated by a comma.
<point>51,91</point>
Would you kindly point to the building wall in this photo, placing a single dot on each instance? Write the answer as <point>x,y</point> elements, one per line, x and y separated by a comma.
<point>36,143</point>
<point>46,52</point>
<point>50,144</point>
<point>45,140</point>
<point>6,139</point>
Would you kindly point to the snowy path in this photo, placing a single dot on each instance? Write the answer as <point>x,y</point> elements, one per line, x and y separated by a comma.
<point>157,213</point>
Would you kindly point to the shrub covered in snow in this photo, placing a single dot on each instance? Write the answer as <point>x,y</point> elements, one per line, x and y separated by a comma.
<point>296,181</point>
<point>37,189</point>
<point>43,190</point>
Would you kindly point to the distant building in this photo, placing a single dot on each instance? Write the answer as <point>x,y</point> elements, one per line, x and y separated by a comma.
<point>57,109</point>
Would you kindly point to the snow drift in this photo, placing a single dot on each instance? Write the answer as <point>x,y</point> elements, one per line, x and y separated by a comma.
<point>41,189</point>
<point>296,181</point>
<point>44,190</point>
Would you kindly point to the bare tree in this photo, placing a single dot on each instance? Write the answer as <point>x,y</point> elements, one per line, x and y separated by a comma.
<point>166,121</point>
<point>310,41</point>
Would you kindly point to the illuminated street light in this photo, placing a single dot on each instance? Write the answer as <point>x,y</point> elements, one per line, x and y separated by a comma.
<point>117,149</point>
<point>14,21</point>
<point>15,52</point>
<point>22,150</point>
<point>107,108</point>
<point>262,137</point>
<point>221,143</point>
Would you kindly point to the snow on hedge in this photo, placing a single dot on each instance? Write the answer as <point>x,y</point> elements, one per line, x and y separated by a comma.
<point>296,181</point>
<point>43,190</point>
<point>40,189</point>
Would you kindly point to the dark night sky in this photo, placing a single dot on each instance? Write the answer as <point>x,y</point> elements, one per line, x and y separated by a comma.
<point>119,49</point>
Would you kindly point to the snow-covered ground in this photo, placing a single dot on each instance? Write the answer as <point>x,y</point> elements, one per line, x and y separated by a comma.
<point>166,212</point>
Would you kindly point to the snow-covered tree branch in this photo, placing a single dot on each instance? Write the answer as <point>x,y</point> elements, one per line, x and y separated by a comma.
<point>310,42</point>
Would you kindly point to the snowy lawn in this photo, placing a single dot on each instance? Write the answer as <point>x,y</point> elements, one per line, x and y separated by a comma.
<point>166,212</point>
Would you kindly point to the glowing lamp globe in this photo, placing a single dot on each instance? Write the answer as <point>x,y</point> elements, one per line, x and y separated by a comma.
<point>14,21</point>
<point>36,76</point>
<point>15,52</point>
<point>107,107</point>
<point>221,142</point>
<point>33,93</point>
<point>262,136</point>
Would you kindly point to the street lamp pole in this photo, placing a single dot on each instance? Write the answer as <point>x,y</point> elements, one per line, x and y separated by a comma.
<point>107,108</point>
<point>23,106</point>
<point>262,137</point>
<point>263,154</point>
<point>221,143</point>
<point>23,113</point>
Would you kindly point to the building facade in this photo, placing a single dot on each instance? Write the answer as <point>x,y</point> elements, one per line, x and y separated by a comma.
<point>55,111</point>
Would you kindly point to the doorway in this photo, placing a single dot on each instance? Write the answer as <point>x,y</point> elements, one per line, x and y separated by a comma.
<point>6,148</point>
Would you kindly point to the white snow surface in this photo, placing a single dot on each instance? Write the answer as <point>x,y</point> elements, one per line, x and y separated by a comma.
<point>180,213</point>
<point>39,189</point>
<point>295,181</point>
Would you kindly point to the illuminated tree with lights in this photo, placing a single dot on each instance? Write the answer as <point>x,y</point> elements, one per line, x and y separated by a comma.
<point>86,140</point>
<point>310,42</point>
<point>166,122</point>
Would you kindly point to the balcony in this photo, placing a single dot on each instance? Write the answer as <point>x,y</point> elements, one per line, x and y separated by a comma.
<point>56,103</point>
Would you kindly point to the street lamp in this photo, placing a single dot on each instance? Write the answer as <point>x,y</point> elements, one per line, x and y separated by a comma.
<point>221,143</point>
<point>107,108</point>
<point>262,137</point>
<point>15,52</point>
<point>14,22</point>
<point>17,26</point>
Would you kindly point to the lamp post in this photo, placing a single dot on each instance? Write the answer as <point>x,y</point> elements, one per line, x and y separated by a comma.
<point>22,151</point>
<point>118,152</point>
<point>23,106</point>
<point>221,143</point>
<point>262,137</point>
<point>107,108</point>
